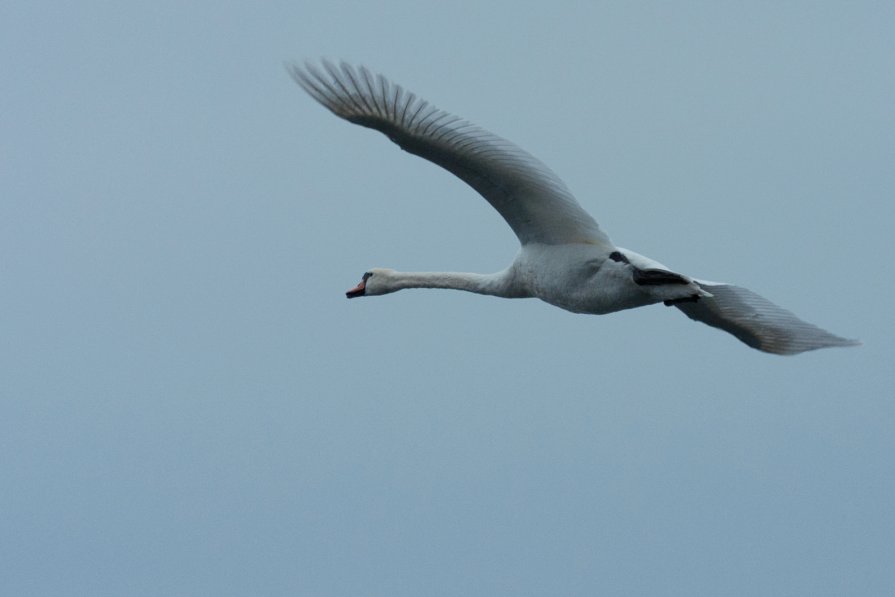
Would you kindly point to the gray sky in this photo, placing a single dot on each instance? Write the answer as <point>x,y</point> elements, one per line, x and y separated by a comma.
<point>189,405</point>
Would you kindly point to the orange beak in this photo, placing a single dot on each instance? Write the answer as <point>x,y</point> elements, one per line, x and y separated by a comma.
<point>357,290</point>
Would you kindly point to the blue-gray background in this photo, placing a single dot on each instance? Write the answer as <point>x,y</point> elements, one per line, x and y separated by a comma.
<point>191,407</point>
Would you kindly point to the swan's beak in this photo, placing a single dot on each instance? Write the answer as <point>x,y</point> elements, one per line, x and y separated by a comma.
<point>357,290</point>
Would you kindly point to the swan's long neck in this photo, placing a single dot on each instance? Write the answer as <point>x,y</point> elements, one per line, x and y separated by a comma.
<point>499,284</point>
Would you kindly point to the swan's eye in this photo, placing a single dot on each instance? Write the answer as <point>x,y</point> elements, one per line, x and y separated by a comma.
<point>367,276</point>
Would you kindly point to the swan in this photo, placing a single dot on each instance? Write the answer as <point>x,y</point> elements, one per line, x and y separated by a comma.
<point>565,258</point>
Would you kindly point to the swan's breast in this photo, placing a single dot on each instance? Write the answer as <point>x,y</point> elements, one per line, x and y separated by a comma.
<point>578,278</point>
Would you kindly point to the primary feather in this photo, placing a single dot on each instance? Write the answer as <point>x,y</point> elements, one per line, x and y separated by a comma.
<point>530,197</point>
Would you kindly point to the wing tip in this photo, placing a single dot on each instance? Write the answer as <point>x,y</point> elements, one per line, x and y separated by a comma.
<point>792,351</point>
<point>812,339</point>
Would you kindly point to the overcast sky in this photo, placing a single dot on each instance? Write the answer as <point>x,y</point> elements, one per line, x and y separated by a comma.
<point>190,406</point>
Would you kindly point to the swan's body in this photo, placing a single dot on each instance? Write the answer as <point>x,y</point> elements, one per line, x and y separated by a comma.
<point>565,258</point>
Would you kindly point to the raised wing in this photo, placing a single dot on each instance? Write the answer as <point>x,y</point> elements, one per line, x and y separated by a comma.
<point>757,321</point>
<point>532,199</point>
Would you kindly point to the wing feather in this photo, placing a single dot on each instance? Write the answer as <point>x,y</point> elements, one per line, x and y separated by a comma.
<point>530,197</point>
<point>757,321</point>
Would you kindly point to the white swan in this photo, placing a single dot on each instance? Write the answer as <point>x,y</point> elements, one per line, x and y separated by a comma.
<point>565,258</point>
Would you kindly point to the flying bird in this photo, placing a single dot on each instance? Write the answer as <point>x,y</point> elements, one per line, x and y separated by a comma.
<point>565,258</point>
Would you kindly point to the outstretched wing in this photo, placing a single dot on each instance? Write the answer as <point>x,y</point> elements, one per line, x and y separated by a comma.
<point>757,321</point>
<point>532,199</point>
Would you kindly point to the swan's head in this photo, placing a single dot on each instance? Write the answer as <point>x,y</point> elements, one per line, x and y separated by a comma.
<point>374,282</point>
